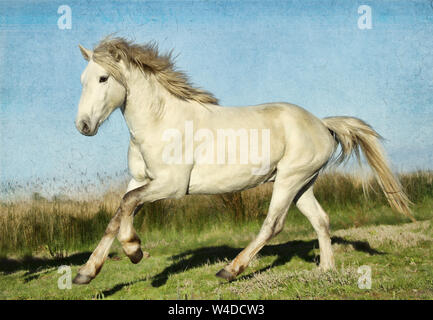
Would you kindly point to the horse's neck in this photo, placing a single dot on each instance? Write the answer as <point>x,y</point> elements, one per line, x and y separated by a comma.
<point>149,106</point>
<point>147,102</point>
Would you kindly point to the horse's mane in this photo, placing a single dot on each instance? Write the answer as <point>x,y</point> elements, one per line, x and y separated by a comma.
<point>147,58</point>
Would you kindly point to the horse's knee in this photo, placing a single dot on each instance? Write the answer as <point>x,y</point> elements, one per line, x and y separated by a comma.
<point>130,236</point>
<point>130,201</point>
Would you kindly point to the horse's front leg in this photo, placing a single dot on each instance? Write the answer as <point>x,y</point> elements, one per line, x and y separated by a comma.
<point>121,219</point>
<point>127,236</point>
<point>99,255</point>
<point>155,190</point>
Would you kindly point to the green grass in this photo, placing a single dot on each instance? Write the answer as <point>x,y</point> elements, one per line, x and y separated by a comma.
<point>190,239</point>
<point>182,266</point>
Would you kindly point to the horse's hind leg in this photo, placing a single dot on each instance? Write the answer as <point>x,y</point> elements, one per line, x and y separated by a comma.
<point>311,208</point>
<point>285,189</point>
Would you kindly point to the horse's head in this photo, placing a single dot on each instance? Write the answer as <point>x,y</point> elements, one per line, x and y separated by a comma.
<point>101,95</point>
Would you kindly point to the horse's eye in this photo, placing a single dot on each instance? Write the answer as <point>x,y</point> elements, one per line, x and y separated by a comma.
<point>103,78</point>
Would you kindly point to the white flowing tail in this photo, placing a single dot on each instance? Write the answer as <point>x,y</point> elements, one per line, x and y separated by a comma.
<point>354,134</point>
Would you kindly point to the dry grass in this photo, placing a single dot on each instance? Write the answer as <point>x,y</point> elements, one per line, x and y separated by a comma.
<point>53,227</point>
<point>62,225</point>
<point>403,236</point>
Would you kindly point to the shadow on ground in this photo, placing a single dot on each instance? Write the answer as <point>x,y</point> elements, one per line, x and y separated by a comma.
<point>190,259</point>
<point>35,267</point>
<point>195,258</point>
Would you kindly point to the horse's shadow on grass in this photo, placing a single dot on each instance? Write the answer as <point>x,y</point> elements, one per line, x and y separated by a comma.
<point>191,259</point>
<point>35,266</point>
<point>285,252</point>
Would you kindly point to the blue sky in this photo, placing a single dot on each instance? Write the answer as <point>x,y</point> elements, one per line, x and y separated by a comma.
<point>310,53</point>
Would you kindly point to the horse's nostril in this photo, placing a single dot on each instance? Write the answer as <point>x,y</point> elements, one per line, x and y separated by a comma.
<point>85,128</point>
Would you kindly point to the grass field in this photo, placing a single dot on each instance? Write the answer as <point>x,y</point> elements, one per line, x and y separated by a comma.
<point>189,240</point>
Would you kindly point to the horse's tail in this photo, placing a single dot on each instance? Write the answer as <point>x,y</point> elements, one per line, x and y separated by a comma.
<point>354,134</point>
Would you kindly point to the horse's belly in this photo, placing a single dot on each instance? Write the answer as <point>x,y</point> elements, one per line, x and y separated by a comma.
<point>214,179</point>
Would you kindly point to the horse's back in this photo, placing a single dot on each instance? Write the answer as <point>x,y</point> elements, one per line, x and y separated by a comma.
<point>289,123</point>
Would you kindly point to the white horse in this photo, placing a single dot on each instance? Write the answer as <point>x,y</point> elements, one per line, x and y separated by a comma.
<point>175,148</point>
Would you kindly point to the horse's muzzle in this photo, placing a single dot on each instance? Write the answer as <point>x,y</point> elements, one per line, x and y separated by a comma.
<point>86,128</point>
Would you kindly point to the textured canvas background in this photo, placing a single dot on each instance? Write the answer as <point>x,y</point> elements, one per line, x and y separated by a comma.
<point>310,53</point>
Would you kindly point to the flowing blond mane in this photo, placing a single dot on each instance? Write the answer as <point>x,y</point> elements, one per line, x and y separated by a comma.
<point>147,58</point>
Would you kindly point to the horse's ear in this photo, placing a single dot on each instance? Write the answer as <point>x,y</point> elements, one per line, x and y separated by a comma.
<point>87,54</point>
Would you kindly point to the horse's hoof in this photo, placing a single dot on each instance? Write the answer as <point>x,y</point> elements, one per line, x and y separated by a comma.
<point>81,279</point>
<point>136,256</point>
<point>223,273</point>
